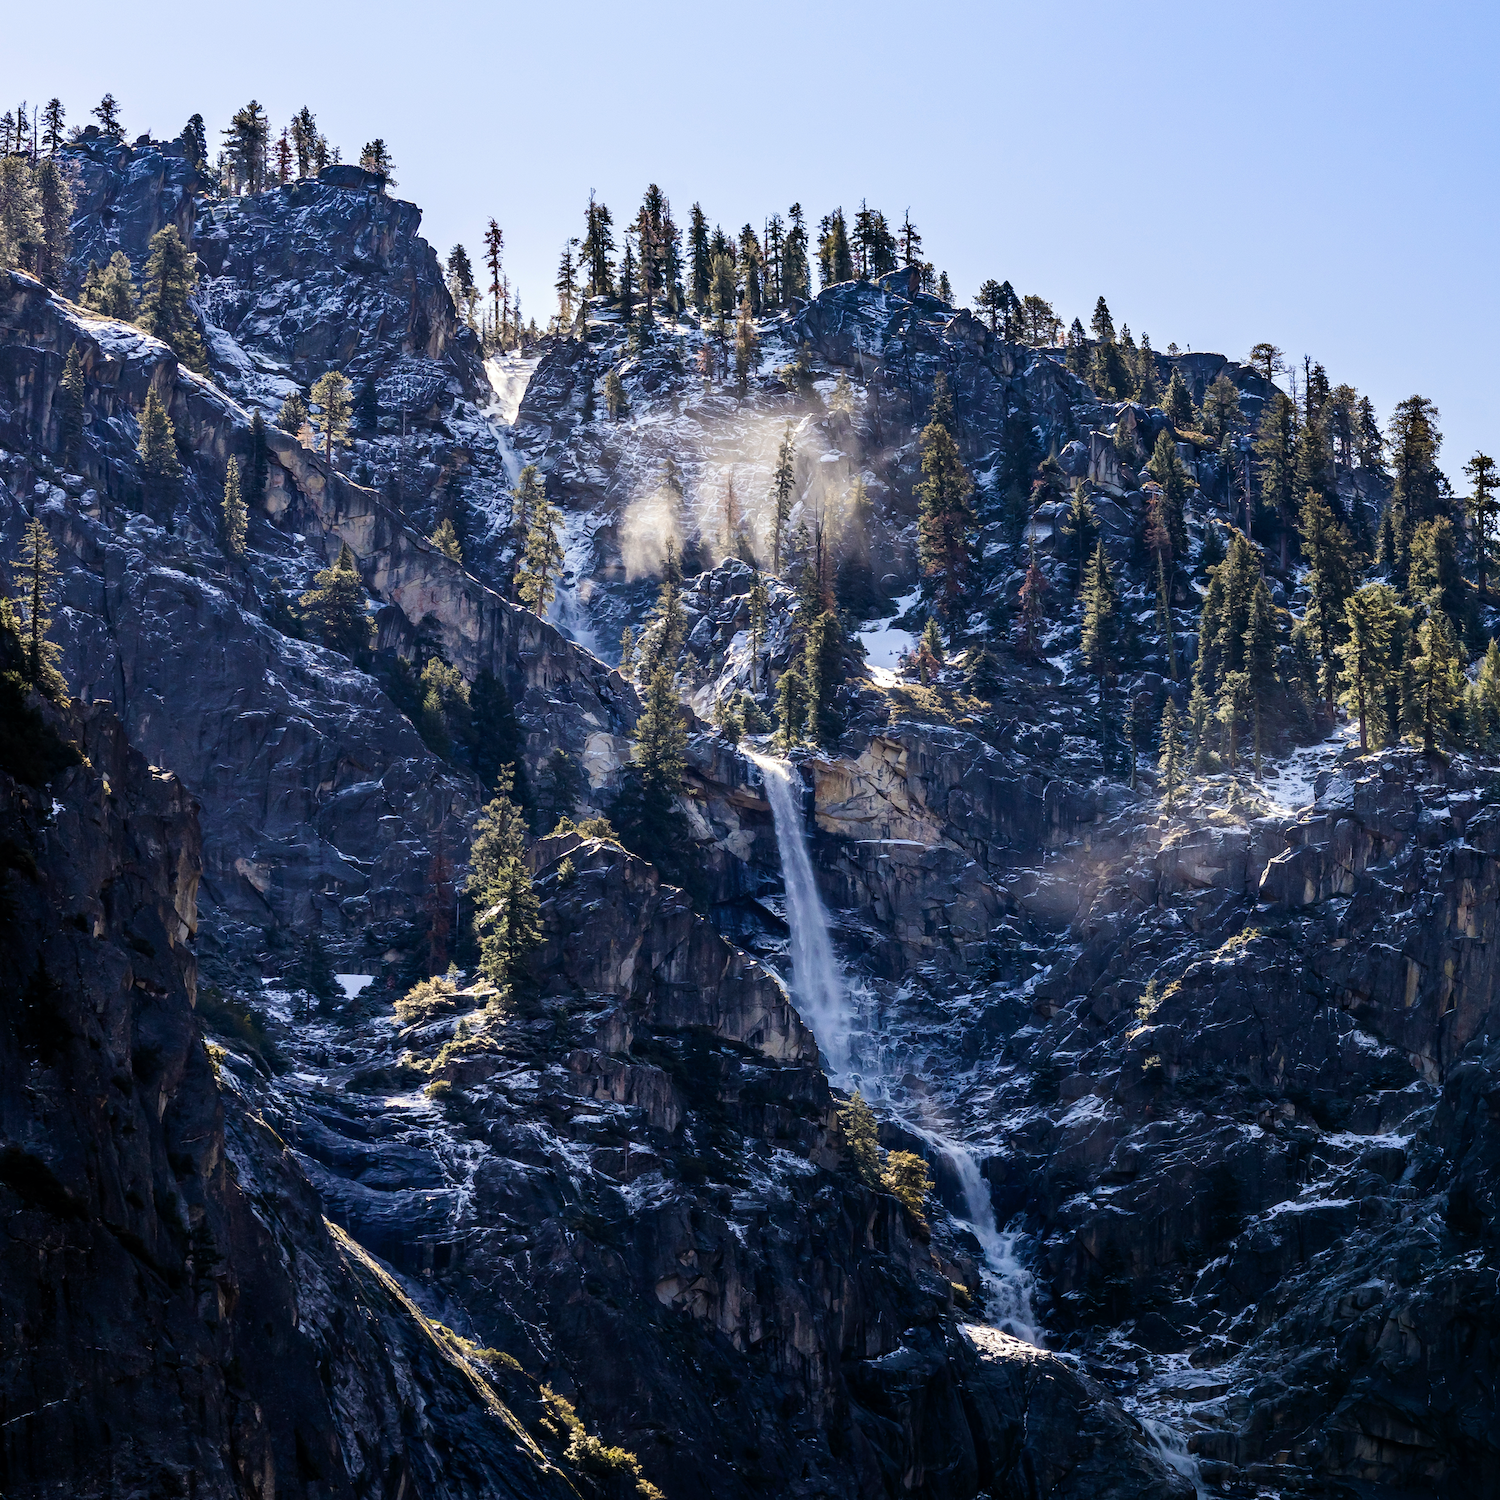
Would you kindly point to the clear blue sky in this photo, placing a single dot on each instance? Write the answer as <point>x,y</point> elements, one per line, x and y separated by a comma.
<point>1322,175</point>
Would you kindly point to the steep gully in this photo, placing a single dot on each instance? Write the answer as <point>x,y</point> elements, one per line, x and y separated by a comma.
<point>828,1003</point>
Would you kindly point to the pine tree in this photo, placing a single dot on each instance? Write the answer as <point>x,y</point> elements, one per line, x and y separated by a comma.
<point>110,293</point>
<point>258,472</point>
<point>330,394</point>
<point>823,672</point>
<point>445,539</point>
<point>1033,601</point>
<point>506,910</point>
<point>1373,619</point>
<point>627,653</point>
<point>945,525</point>
<point>1102,626</point>
<point>597,248</point>
<point>1487,696</point>
<point>796,272</point>
<point>858,1126</point>
<point>699,258</point>
<point>1200,711</point>
<point>1330,582</point>
<point>235,519</point>
<point>1276,463</point>
<point>650,822</point>
<point>157,448</point>
<point>1221,407</point>
<point>1169,471</point>
<point>746,345</point>
<point>759,604</point>
<point>1414,440</point>
<point>669,620</point>
<point>376,157</point>
<point>1234,695</point>
<point>1226,616</point>
<point>1080,528</point>
<point>293,416</point>
<point>55,211</point>
<point>560,788</point>
<point>930,653</point>
<point>526,498</point>
<point>1482,507</point>
<point>335,605</point>
<point>170,276</point>
<point>544,557</point>
<point>1169,762</point>
<point>1312,471</point>
<point>69,405</point>
<point>1437,684</point>
<point>36,577</point>
<point>1178,404</point>
<point>614,394</point>
<point>245,146</point>
<point>1262,652</point>
<point>1433,577</point>
<point>791,707</point>
<point>566,286</point>
<point>107,113</point>
<point>53,115</point>
<point>783,479</point>
<point>20,214</point>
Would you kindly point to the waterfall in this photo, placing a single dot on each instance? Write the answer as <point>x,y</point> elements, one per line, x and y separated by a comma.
<point>817,982</point>
<point>822,994</point>
<point>1173,1448</point>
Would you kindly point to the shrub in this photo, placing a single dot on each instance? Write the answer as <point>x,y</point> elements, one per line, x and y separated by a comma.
<point>425,1001</point>
<point>906,1176</point>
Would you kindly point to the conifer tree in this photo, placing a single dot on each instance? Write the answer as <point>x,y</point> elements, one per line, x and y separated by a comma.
<point>527,498</point>
<point>1077,352</point>
<point>445,539</point>
<point>746,345</point>
<point>110,292</point>
<point>723,289</point>
<point>597,248</point>
<point>1200,711</point>
<point>1487,700</point>
<point>293,416</point>
<point>1033,601</point>
<point>627,652</point>
<point>1169,761</point>
<point>1177,403</point>
<point>1169,471</point>
<point>20,214</point>
<point>36,576</point>
<point>258,473</point>
<point>1373,619</point>
<point>1414,441</point>
<point>494,254</point>
<point>1221,406</point>
<point>614,394</point>
<point>506,909</point>
<point>544,558</point>
<point>53,115</point>
<point>1275,449</point>
<point>1313,469</point>
<point>330,393</point>
<point>376,157</point>
<point>1262,650</point>
<point>945,524</point>
<point>699,258</point>
<point>566,287</point>
<point>55,211</point>
<point>783,479</point>
<point>107,113</point>
<point>1226,616</point>
<point>235,519</point>
<point>823,671</point>
<point>759,603</point>
<point>1433,578</point>
<point>1482,507</point>
<point>170,276</point>
<point>245,145</point>
<point>647,815</point>
<point>1102,629</point>
<point>1080,527</point>
<point>930,653</point>
<point>560,788</point>
<point>796,272</point>
<point>1436,694</point>
<point>157,447</point>
<point>336,606</point>
<point>669,619</point>
<point>1267,359</point>
<point>1330,582</point>
<point>791,707</point>
<point>1234,695</point>
<point>69,403</point>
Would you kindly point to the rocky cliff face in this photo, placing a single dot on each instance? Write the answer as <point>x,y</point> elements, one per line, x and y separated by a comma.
<point>179,1318</point>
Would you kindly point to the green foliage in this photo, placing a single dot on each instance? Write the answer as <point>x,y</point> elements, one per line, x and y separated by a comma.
<point>330,396</point>
<point>506,910</point>
<point>110,293</point>
<point>157,448</point>
<point>335,606</point>
<point>823,671</point>
<point>166,284</point>
<point>1330,581</point>
<point>20,214</point>
<point>1168,470</point>
<point>1374,619</point>
<point>791,707</point>
<point>536,582</point>
<point>1102,627</point>
<point>646,812</point>
<point>496,737</point>
<point>1080,528</point>
<point>294,415</point>
<point>1169,761</point>
<point>561,786</point>
<point>587,1452</point>
<point>445,539</point>
<point>857,1122</point>
<point>907,1178</point>
<point>69,405</point>
<point>782,480</point>
<point>258,472</point>
<point>982,674</point>
<point>235,519</point>
<point>945,522</point>
<point>1177,403</point>
<point>428,1000</point>
<point>1432,712</point>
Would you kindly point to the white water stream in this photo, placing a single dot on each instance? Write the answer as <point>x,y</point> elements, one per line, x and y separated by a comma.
<point>821,990</point>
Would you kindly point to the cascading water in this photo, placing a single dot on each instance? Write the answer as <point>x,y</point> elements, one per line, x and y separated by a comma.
<point>817,982</point>
<point>822,994</point>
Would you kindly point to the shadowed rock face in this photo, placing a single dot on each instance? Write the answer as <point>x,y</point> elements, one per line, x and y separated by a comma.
<point>322,807</point>
<point>178,1318</point>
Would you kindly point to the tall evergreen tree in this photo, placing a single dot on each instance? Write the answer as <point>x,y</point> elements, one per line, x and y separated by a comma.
<point>107,113</point>
<point>1436,695</point>
<point>36,576</point>
<point>1262,651</point>
<point>650,822</point>
<point>1169,471</point>
<point>597,248</point>
<point>1329,551</point>
<point>945,524</point>
<point>55,209</point>
<point>170,276</point>
<point>699,259</point>
<point>1177,403</point>
<point>69,404</point>
<point>20,214</point>
<point>157,448</point>
<point>1414,441</point>
<point>110,292</point>
<point>544,558</point>
<point>823,671</point>
<point>330,394</point>
<point>235,520</point>
<point>759,602</point>
<point>1373,619</point>
<point>1080,528</point>
<point>783,478</point>
<point>1482,507</point>
<point>1102,632</point>
<point>1169,763</point>
<point>791,706</point>
<point>294,415</point>
<point>336,606</point>
<point>506,910</point>
<point>258,473</point>
<point>796,275</point>
<point>1434,580</point>
<point>1275,449</point>
<point>496,736</point>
